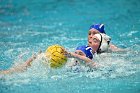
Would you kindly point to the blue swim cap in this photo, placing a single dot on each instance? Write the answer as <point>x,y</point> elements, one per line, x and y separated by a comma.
<point>99,27</point>
<point>87,50</point>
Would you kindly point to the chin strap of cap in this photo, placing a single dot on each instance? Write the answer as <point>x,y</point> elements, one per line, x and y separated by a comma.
<point>99,50</point>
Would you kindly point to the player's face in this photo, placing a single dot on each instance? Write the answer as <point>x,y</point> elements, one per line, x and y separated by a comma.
<point>92,32</point>
<point>94,43</point>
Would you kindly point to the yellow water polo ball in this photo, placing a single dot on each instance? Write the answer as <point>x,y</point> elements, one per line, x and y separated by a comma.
<point>56,56</point>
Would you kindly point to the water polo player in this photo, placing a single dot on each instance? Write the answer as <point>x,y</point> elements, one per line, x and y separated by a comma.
<point>99,28</point>
<point>99,44</point>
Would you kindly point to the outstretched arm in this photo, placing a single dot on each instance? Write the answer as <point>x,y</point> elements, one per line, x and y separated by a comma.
<point>88,61</point>
<point>20,68</point>
<point>116,49</point>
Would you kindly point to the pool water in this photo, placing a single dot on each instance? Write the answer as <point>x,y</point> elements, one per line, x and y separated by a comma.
<point>27,26</point>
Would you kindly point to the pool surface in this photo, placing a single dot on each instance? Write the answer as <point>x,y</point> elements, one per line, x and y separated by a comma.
<point>27,26</point>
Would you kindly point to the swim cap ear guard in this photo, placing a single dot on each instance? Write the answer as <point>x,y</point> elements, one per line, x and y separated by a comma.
<point>99,27</point>
<point>104,43</point>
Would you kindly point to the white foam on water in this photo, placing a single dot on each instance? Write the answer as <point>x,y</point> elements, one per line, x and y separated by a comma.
<point>111,65</point>
<point>132,32</point>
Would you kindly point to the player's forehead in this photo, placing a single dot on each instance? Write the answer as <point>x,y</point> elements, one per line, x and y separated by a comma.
<point>79,51</point>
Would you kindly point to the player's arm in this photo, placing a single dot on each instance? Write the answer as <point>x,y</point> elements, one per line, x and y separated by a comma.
<point>21,67</point>
<point>114,48</point>
<point>88,61</point>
